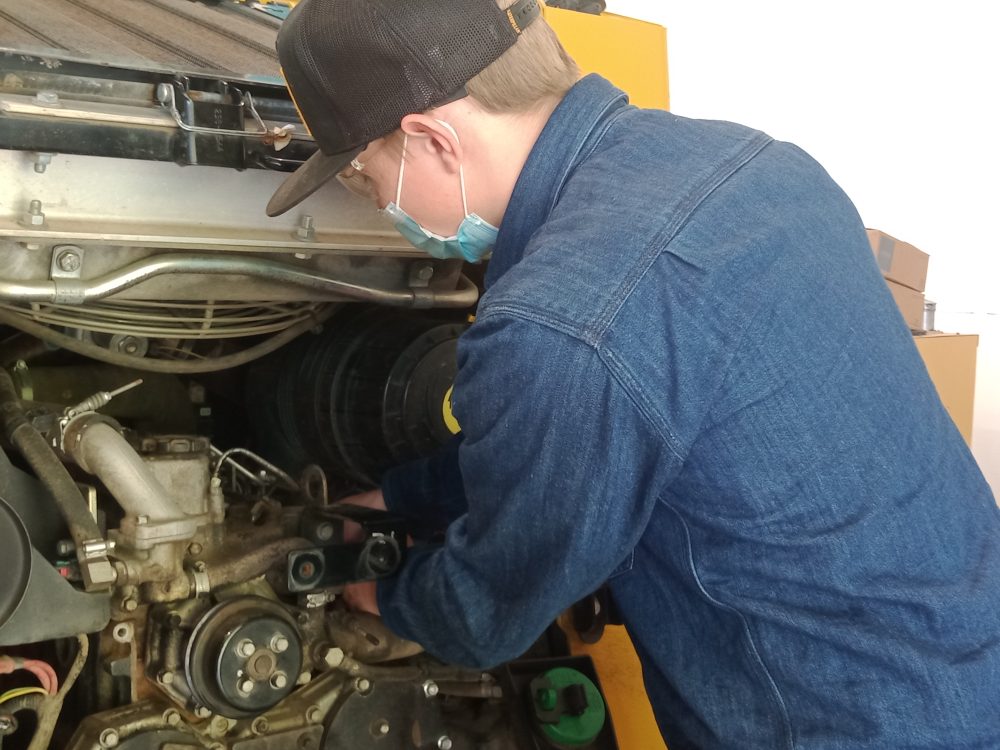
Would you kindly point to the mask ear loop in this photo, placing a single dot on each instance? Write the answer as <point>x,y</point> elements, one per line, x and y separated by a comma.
<point>461,168</point>
<point>399,180</point>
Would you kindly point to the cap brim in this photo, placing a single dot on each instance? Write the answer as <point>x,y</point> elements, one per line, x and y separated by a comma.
<point>315,172</point>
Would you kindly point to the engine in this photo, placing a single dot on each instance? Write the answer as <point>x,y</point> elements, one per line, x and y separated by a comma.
<point>188,388</point>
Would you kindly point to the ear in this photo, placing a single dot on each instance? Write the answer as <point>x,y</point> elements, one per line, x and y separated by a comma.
<point>425,132</point>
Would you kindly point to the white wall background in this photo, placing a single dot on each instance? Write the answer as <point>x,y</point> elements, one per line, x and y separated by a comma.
<point>900,101</point>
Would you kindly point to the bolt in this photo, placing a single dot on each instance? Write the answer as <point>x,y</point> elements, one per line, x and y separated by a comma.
<point>246,648</point>
<point>431,688</point>
<point>172,717</point>
<point>362,685</point>
<point>7,725</point>
<point>220,725</point>
<point>194,549</point>
<point>141,520</point>
<point>324,532</point>
<point>424,273</point>
<point>42,161</point>
<point>306,230</point>
<point>33,217</point>
<point>65,547</point>
<point>279,680</point>
<point>69,261</point>
<point>131,604</point>
<point>305,678</point>
<point>109,738</point>
<point>380,728</point>
<point>333,657</point>
<point>200,567</point>
<point>202,712</point>
<point>279,644</point>
<point>246,687</point>
<point>314,714</point>
<point>166,677</point>
<point>260,725</point>
<point>445,743</point>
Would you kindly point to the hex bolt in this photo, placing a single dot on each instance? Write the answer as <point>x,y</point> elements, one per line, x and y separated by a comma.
<point>33,217</point>
<point>69,261</point>
<point>166,677</point>
<point>333,657</point>
<point>445,743</point>
<point>279,680</point>
<point>42,161</point>
<point>362,685</point>
<point>324,532</point>
<point>202,712</point>
<point>306,230</point>
<point>260,725</point>
<point>194,549</point>
<point>109,738</point>
<point>246,687</point>
<point>380,728</point>
<point>314,714</point>
<point>246,648</point>
<point>172,717</point>
<point>131,604</point>
<point>431,688</point>
<point>424,273</point>
<point>279,644</point>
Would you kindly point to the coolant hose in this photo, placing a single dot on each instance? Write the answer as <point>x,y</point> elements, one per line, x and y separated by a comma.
<point>47,466</point>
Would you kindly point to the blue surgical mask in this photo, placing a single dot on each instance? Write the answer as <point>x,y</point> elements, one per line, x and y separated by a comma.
<point>473,240</point>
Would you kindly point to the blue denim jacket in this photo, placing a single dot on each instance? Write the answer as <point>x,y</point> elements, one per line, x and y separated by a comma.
<point>687,376</point>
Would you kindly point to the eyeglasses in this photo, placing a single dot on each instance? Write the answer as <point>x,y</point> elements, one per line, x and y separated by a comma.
<point>354,179</point>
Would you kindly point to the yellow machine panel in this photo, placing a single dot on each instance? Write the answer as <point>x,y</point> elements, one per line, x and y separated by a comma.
<point>631,54</point>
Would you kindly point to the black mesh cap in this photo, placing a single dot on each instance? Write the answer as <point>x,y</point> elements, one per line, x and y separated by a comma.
<point>355,68</point>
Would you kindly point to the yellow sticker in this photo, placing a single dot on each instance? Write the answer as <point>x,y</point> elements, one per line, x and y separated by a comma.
<point>449,417</point>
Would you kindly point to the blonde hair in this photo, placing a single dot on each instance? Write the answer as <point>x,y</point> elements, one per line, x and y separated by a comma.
<point>535,68</point>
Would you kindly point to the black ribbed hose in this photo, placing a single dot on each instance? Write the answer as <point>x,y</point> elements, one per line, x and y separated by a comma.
<point>49,469</point>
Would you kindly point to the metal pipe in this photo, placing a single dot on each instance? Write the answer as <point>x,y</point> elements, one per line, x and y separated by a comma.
<point>102,451</point>
<point>78,291</point>
<point>254,563</point>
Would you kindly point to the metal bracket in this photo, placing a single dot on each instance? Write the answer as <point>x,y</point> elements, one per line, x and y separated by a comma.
<point>67,262</point>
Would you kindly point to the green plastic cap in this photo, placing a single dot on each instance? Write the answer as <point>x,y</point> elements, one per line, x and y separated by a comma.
<point>568,706</point>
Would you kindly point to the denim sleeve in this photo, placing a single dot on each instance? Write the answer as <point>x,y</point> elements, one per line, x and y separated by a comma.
<point>427,492</point>
<point>561,472</point>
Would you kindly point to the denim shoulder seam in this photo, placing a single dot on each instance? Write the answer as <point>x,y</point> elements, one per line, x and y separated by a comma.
<point>673,226</point>
<point>619,375</point>
<point>772,686</point>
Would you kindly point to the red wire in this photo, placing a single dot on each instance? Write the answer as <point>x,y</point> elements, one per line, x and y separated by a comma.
<point>46,675</point>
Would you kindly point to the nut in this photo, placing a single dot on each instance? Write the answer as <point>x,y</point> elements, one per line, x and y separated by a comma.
<point>431,688</point>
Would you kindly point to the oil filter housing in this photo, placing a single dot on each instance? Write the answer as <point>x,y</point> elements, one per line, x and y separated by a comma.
<point>369,392</point>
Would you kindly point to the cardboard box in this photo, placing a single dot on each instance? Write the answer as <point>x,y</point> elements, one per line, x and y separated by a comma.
<point>900,261</point>
<point>951,362</point>
<point>910,303</point>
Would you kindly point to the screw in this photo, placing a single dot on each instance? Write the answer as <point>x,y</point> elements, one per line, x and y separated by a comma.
<point>69,261</point>
<point>380,728</point>
<point>109,738</point>
<point>362,685</point>
<point>324,532</point>
<point>279,680</point>
<point>260,725</point>
<point>246,687</point>
<point>166,677</point>
<point>246,648</point>
<point>424,273</point>
<point>306,230</point>
<point>431,689</point>
<point>279,644</point>
<point>445,743</point>
<point>172,717</point>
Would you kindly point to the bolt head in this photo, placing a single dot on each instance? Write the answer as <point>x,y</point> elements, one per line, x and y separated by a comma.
<point>203,712</point>
<point>445,743</point>
<point>166,677</point>
<point>279,644</point>
<point>69,261</point>
<point>246,648</point>
<point>362,684</point>
<point>246,686</point>
<point>380,728</point>
<point>194,549</point>
<point>431,688</point>
<point>172,717</point>
<point>324,532</point>
<point>314,714</point>
<point>109,738</point>
<point>279,680</point>
<point>334,657</point>
<point>130,605</point>
<point>260,725</point>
